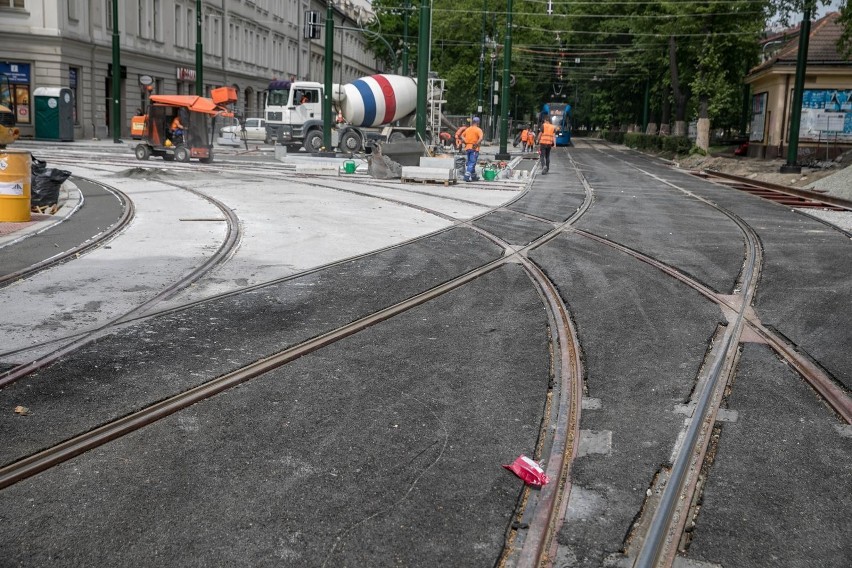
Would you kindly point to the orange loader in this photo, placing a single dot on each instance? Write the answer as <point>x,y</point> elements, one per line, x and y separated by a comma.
<point>197,115</point>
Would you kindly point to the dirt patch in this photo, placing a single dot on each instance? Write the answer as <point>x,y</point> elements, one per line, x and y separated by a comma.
<point>766,170</point>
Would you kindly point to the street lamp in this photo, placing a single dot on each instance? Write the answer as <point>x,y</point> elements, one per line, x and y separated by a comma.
<point>491,112</point>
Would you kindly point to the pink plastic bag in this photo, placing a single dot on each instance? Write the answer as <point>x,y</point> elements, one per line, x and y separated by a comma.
<point>529,471</point>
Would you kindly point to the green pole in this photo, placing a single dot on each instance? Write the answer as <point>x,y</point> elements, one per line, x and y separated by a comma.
<point>329,75</point>
<point>116,76</point>
<point>199,52</point>
<point>647,105</point>
<point>422,69</point>
<point>504,103</point>
<point>405,16</point>
<point>791,167</point>
<point>481,58</point>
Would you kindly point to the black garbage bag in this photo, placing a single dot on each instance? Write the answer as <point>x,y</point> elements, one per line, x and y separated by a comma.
<point>37,166</point>
<point>45,186</point>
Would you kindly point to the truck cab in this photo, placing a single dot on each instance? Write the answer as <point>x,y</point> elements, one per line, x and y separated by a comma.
<point>294,113</point>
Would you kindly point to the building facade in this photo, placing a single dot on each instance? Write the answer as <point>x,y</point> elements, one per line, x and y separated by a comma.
<point>825,128</point>
<point>246,43</point>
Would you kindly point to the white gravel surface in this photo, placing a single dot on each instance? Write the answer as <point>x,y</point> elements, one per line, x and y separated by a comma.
<point>289,224</point>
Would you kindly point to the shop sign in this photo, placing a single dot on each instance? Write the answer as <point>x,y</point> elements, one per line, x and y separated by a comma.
<point>16,72</point>
<point>184,74</point>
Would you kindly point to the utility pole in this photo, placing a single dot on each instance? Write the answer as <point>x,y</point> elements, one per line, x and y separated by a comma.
<point>116,76</point>
<point>329,75</point>
<point>405,16</point>
<point>199,52</point>
<point>481,58</point>
<point>504,103</point>
<point>792,166</point>
<point>422,68</point>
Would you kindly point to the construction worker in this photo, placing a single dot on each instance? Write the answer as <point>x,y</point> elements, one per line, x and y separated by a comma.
<point>529,143</point>
<point>524,133</point>
<point>176,129</point>
<point>458,137</point>
<point>472,137</point>
<point>546,140</point>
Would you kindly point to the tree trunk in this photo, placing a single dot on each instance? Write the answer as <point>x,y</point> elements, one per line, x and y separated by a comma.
<point>666,116</point>
<point>680,96</point>
<point>703,134</point>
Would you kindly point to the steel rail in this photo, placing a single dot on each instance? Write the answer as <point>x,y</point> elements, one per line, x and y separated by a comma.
<point>128,213</point>
<point>792,191</point>
<point>563,425</point>
<point>456,224</point>
<point>656,547</point>
<point>819,380</point>
<point>229,244</point>
<point>77,445</point>
<point>540,545</point>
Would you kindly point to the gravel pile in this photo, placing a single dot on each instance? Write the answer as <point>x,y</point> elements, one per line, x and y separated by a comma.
<point>838,184</point>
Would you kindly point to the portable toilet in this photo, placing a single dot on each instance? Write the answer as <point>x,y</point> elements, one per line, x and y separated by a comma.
<point>54,113</point>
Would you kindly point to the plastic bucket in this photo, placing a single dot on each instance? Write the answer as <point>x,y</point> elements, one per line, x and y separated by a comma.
<point>489,174</point>
<point>15,180</point>
<point>349,167</point>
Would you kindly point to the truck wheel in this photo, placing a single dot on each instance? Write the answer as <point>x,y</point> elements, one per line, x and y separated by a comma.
<point>350,141</point>
<point>313,141</point>
<point>182,154</point>
<point>143,152</point>
<point>396,137</point>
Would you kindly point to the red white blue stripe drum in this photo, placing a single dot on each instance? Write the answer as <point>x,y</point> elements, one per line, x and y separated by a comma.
<point>378,99</point>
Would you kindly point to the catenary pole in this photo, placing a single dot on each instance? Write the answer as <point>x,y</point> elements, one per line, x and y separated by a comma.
<point>199,52</point>
<point>422,69</point>
<point>504,103</point>
<point>116,76</point>
<point>329,75</point>
<point>792,166</point>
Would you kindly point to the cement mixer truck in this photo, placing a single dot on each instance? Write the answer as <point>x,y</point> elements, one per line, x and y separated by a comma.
<point>372,109</point>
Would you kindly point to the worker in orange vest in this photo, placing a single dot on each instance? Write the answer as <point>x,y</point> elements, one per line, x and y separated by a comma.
<point>546,140</point>
<point>524,133</point>
<point>472,137</point>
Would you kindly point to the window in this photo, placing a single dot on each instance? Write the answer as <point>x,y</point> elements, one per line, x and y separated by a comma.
<point>108,12</point>
<point>12,3</point>
<point>180,38</point>
<point>155,17</point>
<point>73,74</point>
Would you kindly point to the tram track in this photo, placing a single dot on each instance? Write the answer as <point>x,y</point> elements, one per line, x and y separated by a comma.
<point>92,243</point>
<point>228,246</point>
<point>531,538</point>
<point>560,423</point>
<point>669,515</point>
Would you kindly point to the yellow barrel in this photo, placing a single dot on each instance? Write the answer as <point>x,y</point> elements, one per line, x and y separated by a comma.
<point>15,180</point>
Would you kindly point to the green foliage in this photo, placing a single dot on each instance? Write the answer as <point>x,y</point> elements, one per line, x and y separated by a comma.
<point>600,57</point>
<point>845,42</point>
<point>614,136</point>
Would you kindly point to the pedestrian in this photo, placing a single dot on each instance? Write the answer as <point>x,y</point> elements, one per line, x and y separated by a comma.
<point>546,140</point>
<point>472,137</point>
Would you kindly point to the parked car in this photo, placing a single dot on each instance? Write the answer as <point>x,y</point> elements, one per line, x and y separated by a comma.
<point>255,130</point>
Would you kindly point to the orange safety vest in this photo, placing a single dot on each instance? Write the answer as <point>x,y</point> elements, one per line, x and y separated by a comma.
<point>548,134</point>
<point>524,135</point>
<point>472,137</point>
